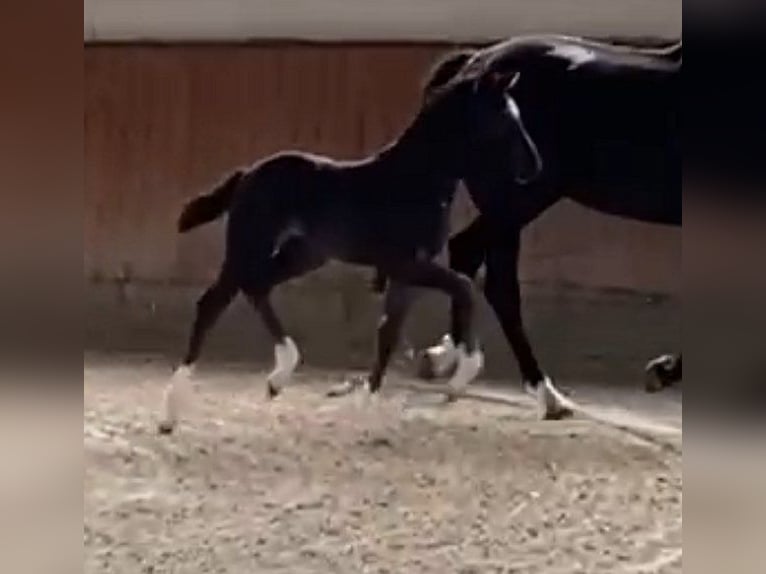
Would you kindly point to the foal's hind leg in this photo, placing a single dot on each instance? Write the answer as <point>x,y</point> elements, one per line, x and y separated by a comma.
<point>294,258</point>
<point>209,309</point>
<point>396,303</point>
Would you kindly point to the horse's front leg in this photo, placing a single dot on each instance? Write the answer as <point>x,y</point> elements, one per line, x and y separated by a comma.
<point>503,293</point>
<point>468,250</point>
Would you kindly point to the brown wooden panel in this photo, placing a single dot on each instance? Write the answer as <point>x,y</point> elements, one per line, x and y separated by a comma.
<point>164,122</point>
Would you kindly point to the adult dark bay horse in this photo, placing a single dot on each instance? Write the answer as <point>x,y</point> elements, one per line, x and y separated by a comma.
<point>605,119</point>
<point>292,212</point>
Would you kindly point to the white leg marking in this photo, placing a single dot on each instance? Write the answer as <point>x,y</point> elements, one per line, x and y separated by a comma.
<point>177,397</point>
<point>364,398</point>
<point>549,401</point>
<point>286,358</point>
<point>468,368</point>
<point>443,356</point>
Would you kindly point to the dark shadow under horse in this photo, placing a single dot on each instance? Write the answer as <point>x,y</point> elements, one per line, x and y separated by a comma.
<point>605,119</point>
<point>292,212</point>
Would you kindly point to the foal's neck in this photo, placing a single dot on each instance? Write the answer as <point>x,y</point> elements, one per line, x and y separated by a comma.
<point>418,153</point>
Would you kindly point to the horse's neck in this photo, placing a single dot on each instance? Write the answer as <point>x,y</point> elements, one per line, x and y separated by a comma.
<point>415,154</point>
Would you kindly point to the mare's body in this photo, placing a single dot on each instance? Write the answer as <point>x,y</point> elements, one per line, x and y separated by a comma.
<point>605,119</point>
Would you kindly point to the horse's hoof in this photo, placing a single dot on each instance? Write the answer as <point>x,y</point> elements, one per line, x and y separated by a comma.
<point>438,361</point>
<point>345,388</point>
<point>272,390</point>
<point>659,373</point>
<point>468,368</point>
<point>551,405</point>
<point>557,414</point>
<point>165,428</point>
<point>653,384</point>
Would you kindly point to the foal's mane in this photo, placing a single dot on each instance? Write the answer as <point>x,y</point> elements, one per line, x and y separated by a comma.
<point>450,70</point>
<point>446,68</point>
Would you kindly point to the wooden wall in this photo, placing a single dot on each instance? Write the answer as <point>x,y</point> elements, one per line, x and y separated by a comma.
<point>163,123</point>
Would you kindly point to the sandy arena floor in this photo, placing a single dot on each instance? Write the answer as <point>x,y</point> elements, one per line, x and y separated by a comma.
<point>308,484</point>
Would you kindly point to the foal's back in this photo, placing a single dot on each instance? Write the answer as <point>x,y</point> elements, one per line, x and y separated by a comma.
<point>359,211</point>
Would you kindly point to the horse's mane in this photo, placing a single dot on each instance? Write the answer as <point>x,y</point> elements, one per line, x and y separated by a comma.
<point>447,68</point>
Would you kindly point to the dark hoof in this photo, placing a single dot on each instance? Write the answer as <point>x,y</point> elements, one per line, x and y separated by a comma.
<point>272,391</point>
<point>552,405</point>
<point>653,384</point>
<point>165,428</point>
<point>558,414</point>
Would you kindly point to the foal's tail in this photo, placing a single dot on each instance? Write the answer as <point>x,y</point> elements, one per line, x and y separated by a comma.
<point>209,206</point>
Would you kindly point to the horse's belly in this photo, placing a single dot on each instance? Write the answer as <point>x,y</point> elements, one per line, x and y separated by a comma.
<point>393,234</point>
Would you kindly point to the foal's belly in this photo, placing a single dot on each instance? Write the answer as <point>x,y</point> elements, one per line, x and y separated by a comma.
<point>373,236</point>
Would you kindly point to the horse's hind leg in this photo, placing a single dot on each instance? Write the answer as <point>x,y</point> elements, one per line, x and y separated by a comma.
<point>503,293</point>
<point>396,303</point>
<point>286,354</point>
<point>209,308</point>
<point>293,259</point>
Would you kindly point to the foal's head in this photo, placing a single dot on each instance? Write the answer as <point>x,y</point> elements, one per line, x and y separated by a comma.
<point>468,109</point>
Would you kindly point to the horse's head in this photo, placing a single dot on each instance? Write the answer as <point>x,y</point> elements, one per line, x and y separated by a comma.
<point>473,109</point>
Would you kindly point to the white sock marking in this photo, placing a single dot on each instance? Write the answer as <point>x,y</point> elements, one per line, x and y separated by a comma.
<point>468,368</point>
<point>531,389</point>
<point>548,403</point>
<point>286,358</point>
<point>177,396</point>
<point>443,356</point>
